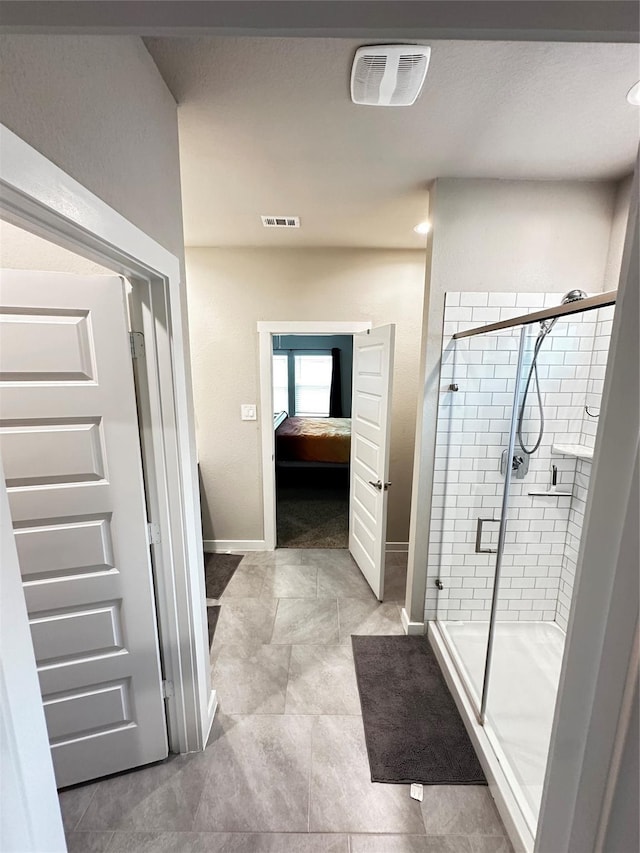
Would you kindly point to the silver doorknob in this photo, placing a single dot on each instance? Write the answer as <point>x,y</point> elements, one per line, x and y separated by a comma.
<point>379,485</point>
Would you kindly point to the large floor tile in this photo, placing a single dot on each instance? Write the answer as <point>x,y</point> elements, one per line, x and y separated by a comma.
<point>306,621</point>
<point>322,680</point>
<point>259,558</point>
<point>227,842</point>
<point>74,803</point>
<point>409,844</point>
<point>328,557</point>
<point>161,796</point>
<point>460,809</point>
<point>245,621</point>
<point>88,842</point>
<point>247,582</point>
<point>290,581</point>
<point>343,798</point>
<point>367,616</point>
<point>490,844</point>
<point>259,775</point>
<point>251,681</point>
<point>337,580</point>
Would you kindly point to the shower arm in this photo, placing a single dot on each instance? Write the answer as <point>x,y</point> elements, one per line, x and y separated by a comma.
<point>575,307</point>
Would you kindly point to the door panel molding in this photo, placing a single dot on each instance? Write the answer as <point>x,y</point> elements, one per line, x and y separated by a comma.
<point>370,451</point>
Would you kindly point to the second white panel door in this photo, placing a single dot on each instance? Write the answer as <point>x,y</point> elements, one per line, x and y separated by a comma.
<point>71,452</point>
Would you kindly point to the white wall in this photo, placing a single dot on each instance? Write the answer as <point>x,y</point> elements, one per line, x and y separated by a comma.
<point>618,230</point>
<point>229,291</point>
<point>506,236</point>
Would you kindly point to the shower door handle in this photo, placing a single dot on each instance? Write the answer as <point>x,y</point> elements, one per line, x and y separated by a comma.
<point>479,548</point>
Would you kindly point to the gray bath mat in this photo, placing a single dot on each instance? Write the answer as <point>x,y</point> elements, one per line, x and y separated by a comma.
<point>412,727</point>
<point>218,570</point>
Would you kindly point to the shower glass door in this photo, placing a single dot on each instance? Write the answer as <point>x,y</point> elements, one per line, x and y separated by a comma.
<point>478,382</point>
<point>536,576</point>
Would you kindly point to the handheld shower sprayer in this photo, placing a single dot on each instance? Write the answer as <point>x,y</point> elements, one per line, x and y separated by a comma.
<point>545,328</point>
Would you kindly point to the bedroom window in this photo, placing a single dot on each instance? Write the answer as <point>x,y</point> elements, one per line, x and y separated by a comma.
<point>281,383</point>
<point>302,382</point>
<point>312,385</point>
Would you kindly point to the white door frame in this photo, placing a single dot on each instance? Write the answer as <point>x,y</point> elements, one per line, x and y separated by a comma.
<point>38,196</point>
<point>266,330</point>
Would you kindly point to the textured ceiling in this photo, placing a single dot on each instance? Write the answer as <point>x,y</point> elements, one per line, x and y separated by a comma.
<point>267,127</point>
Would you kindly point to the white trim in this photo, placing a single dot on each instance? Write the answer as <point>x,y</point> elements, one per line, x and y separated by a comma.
<point>38,196</point>
<point>230,546</point>
<point>411,628</point>
<point>266,329</point>
<point>310,327</point>
<point>397,547</point>
<point>499,786</point>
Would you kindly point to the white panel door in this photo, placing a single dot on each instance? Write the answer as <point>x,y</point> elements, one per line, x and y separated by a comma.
<point>71,451</point>
<point>370,427</point>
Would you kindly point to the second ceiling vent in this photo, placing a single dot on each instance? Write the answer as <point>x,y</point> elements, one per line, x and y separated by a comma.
<point>389,75</point>
<point>281,221</point>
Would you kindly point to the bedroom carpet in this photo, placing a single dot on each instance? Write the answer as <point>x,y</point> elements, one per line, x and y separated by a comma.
<point>218,571</point>
<point>312,517</point>
<point>412,727</point>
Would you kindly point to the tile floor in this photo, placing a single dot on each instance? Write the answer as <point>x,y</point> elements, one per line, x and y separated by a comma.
<point>286,769</point>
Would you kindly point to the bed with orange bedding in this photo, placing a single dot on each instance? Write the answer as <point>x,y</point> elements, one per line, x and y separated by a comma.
<point>313,441</point>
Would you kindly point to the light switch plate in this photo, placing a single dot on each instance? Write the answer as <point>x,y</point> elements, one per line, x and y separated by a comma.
<point>248,411</point>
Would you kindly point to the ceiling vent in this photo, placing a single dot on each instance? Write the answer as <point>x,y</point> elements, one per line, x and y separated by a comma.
<point>281,221</point>
<point>389,75</point>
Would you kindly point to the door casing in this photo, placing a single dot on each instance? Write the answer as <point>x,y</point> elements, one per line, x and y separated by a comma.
<point>39,197</point>
<point>266,330</point>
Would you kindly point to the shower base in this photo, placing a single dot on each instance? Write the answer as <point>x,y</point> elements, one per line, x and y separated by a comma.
<point>523,686</point>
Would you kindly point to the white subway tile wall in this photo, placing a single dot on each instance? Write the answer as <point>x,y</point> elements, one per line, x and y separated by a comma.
<point>597,367</point>
<point>543,532</point>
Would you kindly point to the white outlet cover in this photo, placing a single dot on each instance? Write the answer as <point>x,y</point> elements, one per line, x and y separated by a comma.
<point>248,411</point>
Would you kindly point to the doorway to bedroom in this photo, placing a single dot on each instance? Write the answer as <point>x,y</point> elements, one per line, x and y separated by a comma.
<point>312,389</point>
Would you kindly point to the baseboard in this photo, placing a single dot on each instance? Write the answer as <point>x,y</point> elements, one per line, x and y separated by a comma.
<point>222,546</point>
<point>411,628</point>
<point>403,547</point>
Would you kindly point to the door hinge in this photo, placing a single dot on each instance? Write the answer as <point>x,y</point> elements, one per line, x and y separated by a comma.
<point>153,534</point>
<point>167,689</point>
<point>136,342</point>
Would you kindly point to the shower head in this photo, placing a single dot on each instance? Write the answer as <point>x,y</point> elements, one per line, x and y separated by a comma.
<point>573,296</point>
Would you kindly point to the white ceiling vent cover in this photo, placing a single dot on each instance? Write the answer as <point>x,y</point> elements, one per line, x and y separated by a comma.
<point>281,221</point>
<point>389,75</point>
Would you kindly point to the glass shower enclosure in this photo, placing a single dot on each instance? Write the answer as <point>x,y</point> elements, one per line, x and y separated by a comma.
<point>506,515</point>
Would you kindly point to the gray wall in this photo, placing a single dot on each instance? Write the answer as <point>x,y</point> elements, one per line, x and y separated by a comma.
<point>229,291</point>
<point>327,342</point>
<point>98,108</point>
